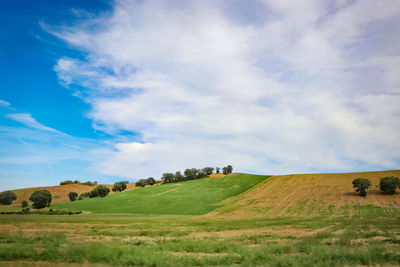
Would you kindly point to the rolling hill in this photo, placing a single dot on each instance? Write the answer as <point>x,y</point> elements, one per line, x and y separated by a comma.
<point>310,195</point>
<point>186,198</point>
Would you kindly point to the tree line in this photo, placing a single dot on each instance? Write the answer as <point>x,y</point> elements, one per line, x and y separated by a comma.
<point>192,174</point>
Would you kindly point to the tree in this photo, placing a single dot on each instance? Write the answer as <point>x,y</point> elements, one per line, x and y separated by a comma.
<point>72,196</point>
<point>7,197</point>
<point>140,183</point>
<point>217,169</point>
<point>100,191</point>
<point>361,185</point>
<point>179,177</point>
<point>119,186</point>
<point>84,195</point>
<point>229,168</point>
<point>24,204</point>
<point>191,174</point>
<point>168,178</point>
<point>225,170</point>
<point>40,199</point>
<point>150,181</point>
<point>388,184</point>
<point>208,170</point>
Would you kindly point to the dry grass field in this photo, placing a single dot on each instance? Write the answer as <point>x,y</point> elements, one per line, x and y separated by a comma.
<point>308,195</point>
<point>59,192</point>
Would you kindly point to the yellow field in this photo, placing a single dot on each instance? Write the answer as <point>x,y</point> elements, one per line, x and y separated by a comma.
<point>308,194</point>
<point>59,192</point>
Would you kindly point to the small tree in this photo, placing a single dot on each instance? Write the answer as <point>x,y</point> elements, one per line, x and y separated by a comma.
<point>100,191</point>
<point>24,204</point>
<point>150,181</point>
<point>225,170</point>
<point>361,185</point>
<point>217,169</point>
<point>72,196</point>
<point>388,184</point>
<point>119,187</point>
<point>84,195</point>
<point>229,168</point>
<point>40,199</point>
<point>140,183</point>
<point>7,197</point>
<point>208,170</point>
<point>168,177</point>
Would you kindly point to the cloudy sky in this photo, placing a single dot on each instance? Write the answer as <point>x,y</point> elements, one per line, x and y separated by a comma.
<point>103,90</point>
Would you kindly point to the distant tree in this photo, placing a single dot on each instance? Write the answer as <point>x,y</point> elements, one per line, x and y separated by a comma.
<point>77,182</point>
<point>229,168</point>
<point>99,191</point>
<point>168,178</point>
<point>191,174</point>
<point>225,170</point>
<point>217,169</point>
<point>24,204</point>
<point>361,185</point>
<point>179,177</point>
<point>40,199</point>
<point>90,183</point>
<point>140,183</point>
<point>66,182</point>
<point>389,184</point>
<point>72,196</point>
<point>119,187</point>
<point>7,197</point>
<point>201,174</point>
<point>208,170</point>
<point>150,181</point>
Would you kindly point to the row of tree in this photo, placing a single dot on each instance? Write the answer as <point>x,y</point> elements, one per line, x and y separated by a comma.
<point>192,174</point>
<point>144,182</point>
<point>387,185</point>
<point>78,182</point>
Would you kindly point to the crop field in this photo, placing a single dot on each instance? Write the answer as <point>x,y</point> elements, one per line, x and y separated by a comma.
<point>222,222</point>
<point>186,198</point>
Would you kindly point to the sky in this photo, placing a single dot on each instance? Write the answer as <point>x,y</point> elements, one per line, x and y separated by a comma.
<point>109,90</point>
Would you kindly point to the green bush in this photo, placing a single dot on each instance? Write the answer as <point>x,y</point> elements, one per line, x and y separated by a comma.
<point>119,187</point>
<point>140,183</point>
<point>7,197</point>
<point>40,199</point>
<point>389,184</point>
<point>24,204</point>
<point>99,191</point>
<point>361,185</point>
<point>72,196</point>
<point>150,181</point>
<point>84,195</point>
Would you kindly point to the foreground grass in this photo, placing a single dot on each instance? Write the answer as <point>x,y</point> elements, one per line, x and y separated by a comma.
<point>367,238</point>
<point>187,198</point>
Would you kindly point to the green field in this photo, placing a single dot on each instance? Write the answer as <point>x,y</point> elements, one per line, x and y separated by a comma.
<point>185,198</point>
<point>161,226</point>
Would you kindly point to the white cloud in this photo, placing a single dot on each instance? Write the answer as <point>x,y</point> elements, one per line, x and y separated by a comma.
<point>298,92</point>
<point>4,104</point>
<point>29,121</point>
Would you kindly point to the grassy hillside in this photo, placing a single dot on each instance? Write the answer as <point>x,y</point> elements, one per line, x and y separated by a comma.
<point>191,197</point>
<point>59,192</point>
<point>310,194</point>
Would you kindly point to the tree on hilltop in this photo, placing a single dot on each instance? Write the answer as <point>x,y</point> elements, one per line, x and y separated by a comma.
<point>361,185</point>
<point>389,184</point>
<point>119,187</point>
<point>7,197</point>
<point>40,199</point>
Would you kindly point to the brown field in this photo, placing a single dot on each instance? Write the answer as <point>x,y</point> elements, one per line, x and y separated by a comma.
<point>217,175</point>
<point>59,192</point>
<point>308,194</point>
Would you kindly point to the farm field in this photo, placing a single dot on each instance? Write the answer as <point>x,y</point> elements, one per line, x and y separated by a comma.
<point>230,227</point>
<point>186,198</point>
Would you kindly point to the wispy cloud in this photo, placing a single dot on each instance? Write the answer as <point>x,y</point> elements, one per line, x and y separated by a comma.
<point>29,121</point>
<point>4,104</point>
<point>206,83</point>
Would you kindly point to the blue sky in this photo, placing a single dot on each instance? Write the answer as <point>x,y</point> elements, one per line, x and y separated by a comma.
<point>104,90</point>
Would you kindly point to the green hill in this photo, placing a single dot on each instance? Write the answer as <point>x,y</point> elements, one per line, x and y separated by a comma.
<point>186,198</point>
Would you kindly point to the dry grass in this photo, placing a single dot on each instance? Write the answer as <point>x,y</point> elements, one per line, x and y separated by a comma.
<point>217,175</point>
<point>290,195</point>
<point>60,192</point>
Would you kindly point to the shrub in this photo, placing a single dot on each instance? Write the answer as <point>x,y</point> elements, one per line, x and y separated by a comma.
<point>24,204</point>
<point>40,199</point>
<point>99,191</point>
<point>25,211</point>
<point>90,183</point>
<point>72,196</point>
<point>119,186</point>
<point>150,181</point>
<point>361,185</point>
<point>388,184</point>
<point>140,183</point>
<point>7,197</point>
